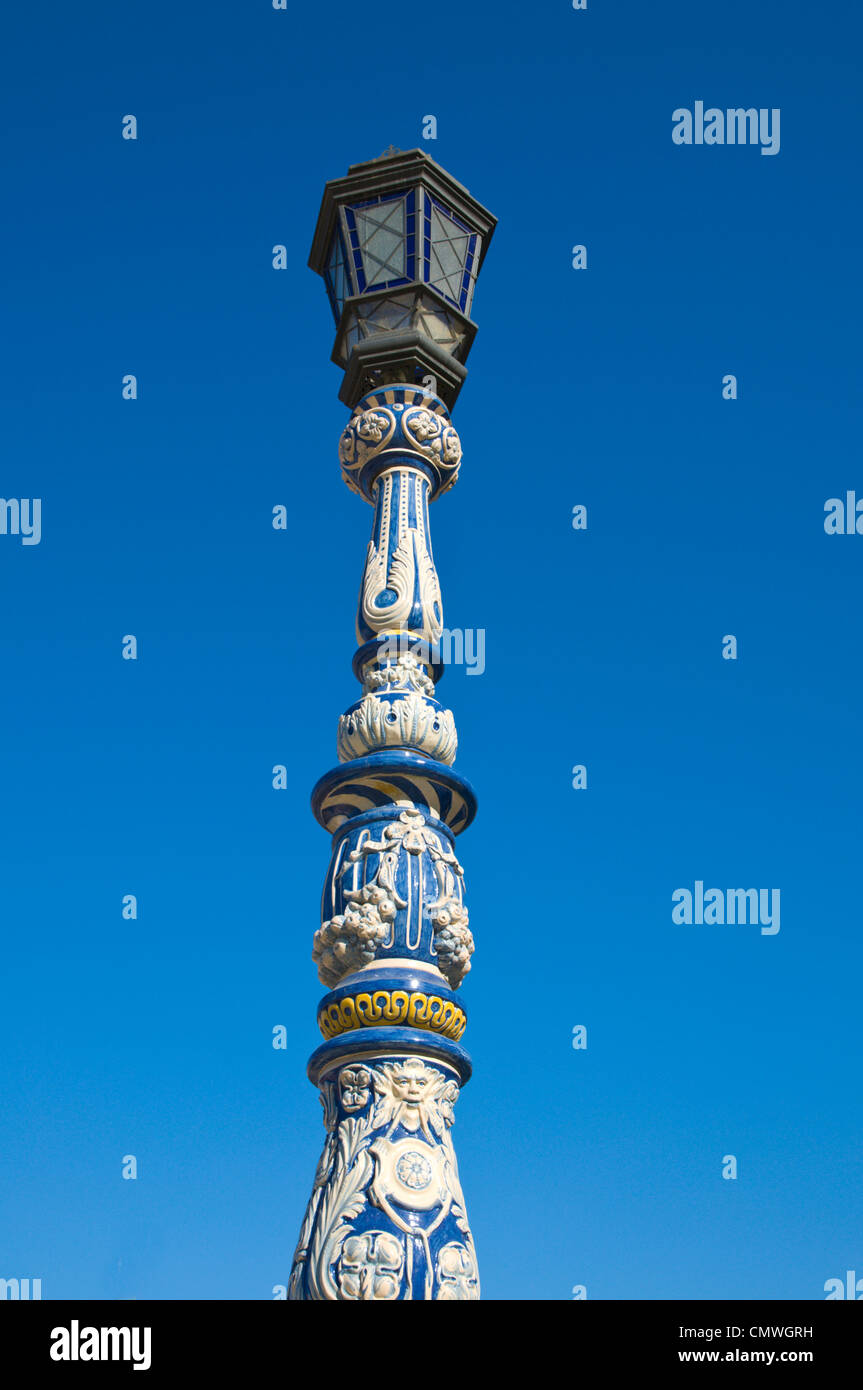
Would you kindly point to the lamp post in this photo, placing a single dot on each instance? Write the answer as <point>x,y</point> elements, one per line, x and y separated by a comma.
<point>399,244</point>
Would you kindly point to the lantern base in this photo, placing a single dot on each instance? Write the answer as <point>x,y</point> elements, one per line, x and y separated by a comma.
<point>389,359</point>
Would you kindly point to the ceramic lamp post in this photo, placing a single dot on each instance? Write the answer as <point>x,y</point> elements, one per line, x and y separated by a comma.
<point>399,244</point>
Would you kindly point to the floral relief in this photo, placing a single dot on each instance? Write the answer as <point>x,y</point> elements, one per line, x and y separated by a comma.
<point>350,940</point>
<point>407,673</point>
<point>355,1084</point>
<point>435,438</point>
<point>364,436</point>
<point>454,941</point>
<point>370,1266</point>
<point>457,1274</point>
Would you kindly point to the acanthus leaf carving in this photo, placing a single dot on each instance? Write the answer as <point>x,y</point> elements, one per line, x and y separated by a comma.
<point>407,722</point>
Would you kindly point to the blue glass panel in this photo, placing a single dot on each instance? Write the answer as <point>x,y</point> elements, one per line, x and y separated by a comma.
<point>379,229</point>
<point>447,247</point>
<point>337,275</point>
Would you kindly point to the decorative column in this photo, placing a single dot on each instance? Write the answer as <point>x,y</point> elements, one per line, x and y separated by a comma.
<point>399,243</point>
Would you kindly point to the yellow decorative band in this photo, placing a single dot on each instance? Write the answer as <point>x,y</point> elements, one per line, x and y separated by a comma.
<point>393,1007</point>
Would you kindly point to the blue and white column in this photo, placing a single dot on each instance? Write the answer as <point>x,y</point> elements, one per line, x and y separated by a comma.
<point>387,1218</point>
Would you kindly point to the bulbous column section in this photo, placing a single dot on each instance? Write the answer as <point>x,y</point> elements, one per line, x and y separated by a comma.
<point>387,1217</point>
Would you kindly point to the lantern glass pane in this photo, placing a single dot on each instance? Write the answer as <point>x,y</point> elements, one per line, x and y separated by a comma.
<point>402,312</point>
<point>438,325</point>
<point>336,276</point>
<point>450,248</point>
<point>381,241</point>
<point>379,316</point>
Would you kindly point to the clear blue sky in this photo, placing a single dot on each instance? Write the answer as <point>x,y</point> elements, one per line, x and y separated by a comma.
<point>705,517</point>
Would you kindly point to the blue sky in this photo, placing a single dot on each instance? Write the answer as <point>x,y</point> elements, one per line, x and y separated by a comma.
<point>601,387</point>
